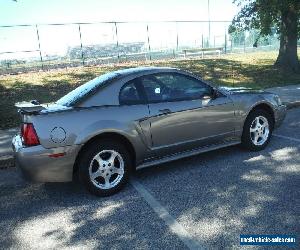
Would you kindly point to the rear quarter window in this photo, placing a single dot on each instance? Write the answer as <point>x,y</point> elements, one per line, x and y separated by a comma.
<point>82,91</point>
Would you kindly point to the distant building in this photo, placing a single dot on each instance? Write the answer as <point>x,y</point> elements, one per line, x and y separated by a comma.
<point>96,51</point>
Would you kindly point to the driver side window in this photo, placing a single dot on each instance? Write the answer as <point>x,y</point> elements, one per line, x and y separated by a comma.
<point>166,87</point>
<point>153,89</point>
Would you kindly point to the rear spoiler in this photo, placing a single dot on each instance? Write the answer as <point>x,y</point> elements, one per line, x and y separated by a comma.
<point>31,107</point>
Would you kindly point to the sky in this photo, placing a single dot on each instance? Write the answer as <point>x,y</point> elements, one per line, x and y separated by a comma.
<point>56,39</point>
<point>56,11</point>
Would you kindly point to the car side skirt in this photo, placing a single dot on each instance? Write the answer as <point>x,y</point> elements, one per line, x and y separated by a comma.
<point>185,154</point>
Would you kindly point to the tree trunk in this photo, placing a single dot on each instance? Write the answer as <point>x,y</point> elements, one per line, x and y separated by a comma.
<point>287,57</point>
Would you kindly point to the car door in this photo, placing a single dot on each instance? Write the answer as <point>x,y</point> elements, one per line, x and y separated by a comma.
<point>184,114</point>
<point>135,110</point>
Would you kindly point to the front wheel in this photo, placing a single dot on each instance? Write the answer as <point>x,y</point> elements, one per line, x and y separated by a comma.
<point>257,131</point>
<point>104,167</point>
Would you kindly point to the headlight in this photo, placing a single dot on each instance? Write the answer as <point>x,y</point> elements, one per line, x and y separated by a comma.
<point>277,100</point>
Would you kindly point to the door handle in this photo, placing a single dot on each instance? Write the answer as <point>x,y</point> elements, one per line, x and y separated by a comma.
<point>165,111</point>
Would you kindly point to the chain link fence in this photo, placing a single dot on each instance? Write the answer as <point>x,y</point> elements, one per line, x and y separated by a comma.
<point>48,46</point>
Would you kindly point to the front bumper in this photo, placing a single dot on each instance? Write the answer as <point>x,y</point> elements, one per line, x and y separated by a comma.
<point>36,164</point>
<point>279,115</point>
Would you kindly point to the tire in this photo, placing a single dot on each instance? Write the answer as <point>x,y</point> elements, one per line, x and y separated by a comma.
<point>263,134</point>
<point>104,167</point>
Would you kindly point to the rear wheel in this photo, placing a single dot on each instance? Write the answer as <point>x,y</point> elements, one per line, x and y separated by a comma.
<point>257,131</point>
<point>104,167</point>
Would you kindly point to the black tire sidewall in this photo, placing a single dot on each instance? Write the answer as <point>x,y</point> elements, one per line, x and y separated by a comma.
<point>246,137</point>
<point>87,157</point>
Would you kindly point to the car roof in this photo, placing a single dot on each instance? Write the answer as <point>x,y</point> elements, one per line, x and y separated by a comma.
<point>129,71</point>
<point>109,78</point>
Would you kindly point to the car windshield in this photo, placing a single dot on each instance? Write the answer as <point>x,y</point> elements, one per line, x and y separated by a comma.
<point>81,91</point>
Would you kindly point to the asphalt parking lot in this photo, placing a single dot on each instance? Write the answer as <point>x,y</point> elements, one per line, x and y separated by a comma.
<point>205,201</point>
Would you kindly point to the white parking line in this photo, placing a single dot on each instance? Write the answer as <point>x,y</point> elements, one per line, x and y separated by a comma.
<point>286,137</point>
<point>171,222</point>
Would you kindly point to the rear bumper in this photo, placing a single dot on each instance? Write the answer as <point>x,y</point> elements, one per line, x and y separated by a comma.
<point>36,164</point>
<point>279,115</point>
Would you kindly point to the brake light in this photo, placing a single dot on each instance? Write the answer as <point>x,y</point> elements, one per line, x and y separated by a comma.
<point>29,135</point>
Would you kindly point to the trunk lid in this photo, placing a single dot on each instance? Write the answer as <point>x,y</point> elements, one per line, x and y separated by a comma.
<point>34,108</point>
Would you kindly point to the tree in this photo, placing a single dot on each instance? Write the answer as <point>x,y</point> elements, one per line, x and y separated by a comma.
<point>267,15</point>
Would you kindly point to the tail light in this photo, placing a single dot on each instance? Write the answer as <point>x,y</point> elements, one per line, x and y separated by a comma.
<point>29,135</point>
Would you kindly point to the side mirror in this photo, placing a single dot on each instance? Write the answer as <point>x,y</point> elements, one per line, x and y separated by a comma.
<point>35,102</point>
<point>210,96</point>
<point>215,94</point>
<point>207,97</point>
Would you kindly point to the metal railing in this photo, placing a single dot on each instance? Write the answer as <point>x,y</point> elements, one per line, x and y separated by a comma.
<point>46,46</point>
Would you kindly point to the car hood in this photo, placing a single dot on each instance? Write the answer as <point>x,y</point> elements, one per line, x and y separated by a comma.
<point>241,90</point>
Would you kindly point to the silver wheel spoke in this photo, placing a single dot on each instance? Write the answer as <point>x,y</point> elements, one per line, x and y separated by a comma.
<point>95,174</point>
<point>265,125</point>
<point>112,158</point>
<point>256,138</point>
<point>119,171</point>
<point>99,160</point>
<point>106,179</point>
<point>257,123</point>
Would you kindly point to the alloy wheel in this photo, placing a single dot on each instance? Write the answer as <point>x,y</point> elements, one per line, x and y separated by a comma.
<point>106,169</point>
<point>259,130</point>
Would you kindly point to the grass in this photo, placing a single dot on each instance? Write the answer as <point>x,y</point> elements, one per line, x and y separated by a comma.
<point>250,70</point>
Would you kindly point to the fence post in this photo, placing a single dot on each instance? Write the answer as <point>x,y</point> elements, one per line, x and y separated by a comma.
<point>177,41</point>
<point>82,56</point>
<point>208,12</point>
<point>149,47</point>
<point>232,75</point>
<point>244,42</point>
<point>225,41</point>
<point>39,44</point>
<point>117,39</point>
